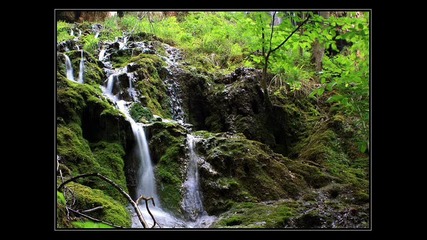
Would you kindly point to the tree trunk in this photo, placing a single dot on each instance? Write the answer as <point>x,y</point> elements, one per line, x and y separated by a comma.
<point>264,76</point>
<point>318,51</point>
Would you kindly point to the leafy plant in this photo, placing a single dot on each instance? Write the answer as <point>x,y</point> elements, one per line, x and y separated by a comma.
<point>90,43</point>
<point>63,31</point>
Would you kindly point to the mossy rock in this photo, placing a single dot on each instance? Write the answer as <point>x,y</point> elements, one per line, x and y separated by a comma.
<point>245,170</point>
<point>92,74</point>
<point>167,145</point>
<point>256,215</point>
<point>112,211</point>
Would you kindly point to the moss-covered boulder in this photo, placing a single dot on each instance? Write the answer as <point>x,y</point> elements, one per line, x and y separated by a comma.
<point>168,152</point>
<point>92,137</point>
<point>87,198</point>
<point>244,170</point>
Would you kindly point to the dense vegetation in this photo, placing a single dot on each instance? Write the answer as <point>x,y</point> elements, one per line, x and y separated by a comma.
<point>280,99</point>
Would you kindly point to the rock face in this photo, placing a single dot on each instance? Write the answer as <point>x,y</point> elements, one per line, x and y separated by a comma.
<point>266,162</point>
<point>234,103</point>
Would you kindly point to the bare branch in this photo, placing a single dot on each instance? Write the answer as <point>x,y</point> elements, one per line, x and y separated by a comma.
<point>134,205</point>
<point>272,29</point>
<point>146,205</point>
<point>92,218</point>
<point>92,209</point>
<point>263,36</point>
<point>296,29</point>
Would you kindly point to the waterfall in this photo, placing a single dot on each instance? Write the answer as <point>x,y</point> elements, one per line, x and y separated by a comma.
<point>192,202</point>
<point>96,34</point>
<point>69,68</point>
<point>147,184</point>
<point>101,54</point>
<point>82,65</point>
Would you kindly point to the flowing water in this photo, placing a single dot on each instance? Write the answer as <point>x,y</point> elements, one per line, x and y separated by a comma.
<point>69,68</point>
<point>82,66</point>
<point>195,216</point>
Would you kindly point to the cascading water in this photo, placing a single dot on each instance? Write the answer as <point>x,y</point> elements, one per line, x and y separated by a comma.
<point>101,54</point>
<point>69,68</point>
<point>146,185</point>
<point>192,202</point>
<point>82,65</point>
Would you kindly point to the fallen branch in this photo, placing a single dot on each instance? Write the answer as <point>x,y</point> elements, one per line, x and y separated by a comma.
<point>92,218</point>
<point>146,205</point>
<point>92,209</point>
<point>134,205</point>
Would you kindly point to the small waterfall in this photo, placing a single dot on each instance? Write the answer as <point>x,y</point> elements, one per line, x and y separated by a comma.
<point>96,34</point>
<point>101,54</point>
<point>192,203</point>
<point>147,184</point>
<point>71,32</point>
<point>69,67</point>
<point>174,90</point>
<point>82,65</point>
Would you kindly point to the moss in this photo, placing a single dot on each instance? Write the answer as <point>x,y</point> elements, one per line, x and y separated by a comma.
<point>256,215</point>
<point>74,149</point>
<point>89,224</point>
<point>151,86</point>
<point>168,153</point>
<point>110,158</point>
<point>112,211</point>
<point>170,178</point>
<point>246,171</point>
<point>137,112</point>
<point>93,73</point>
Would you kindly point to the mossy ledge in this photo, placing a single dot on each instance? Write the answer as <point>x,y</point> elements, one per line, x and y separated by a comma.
<point>93,136</point>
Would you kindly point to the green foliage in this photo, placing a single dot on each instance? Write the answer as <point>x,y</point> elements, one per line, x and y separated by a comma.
<point>113,211</point>
<point>111,29</point>
<point>90,43</point>
<point>63,31</point>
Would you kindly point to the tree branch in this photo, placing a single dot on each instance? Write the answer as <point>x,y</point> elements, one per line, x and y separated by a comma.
<point>262,37</point>
<point>296,29</point>
<point>92,209</point>
<point>135,206</point>
<point>272,30</point>
<point>146,205</point>
<point>92,218</point>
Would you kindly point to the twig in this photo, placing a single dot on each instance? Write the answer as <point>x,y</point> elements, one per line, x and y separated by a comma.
<point>146,205</point>
<point>93,219</point>
<point>92,209</point>
<point>296,29</point>
<point>135,206</point>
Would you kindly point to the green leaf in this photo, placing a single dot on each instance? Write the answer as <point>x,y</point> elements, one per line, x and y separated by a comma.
<point>330,86</point>
<point>60,197</point>
<point>335,98</point>
<point>363,146</point>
